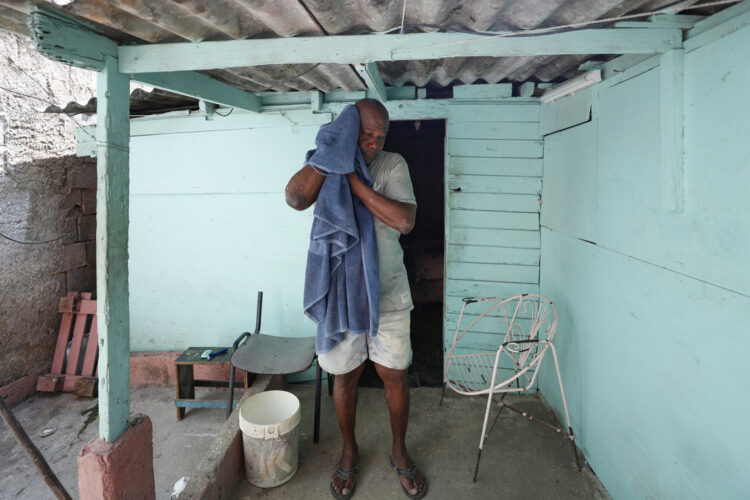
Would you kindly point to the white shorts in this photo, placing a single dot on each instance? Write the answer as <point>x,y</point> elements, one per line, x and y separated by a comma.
<point>391,347</point>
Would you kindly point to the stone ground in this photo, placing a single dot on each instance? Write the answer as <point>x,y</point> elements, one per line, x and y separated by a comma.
<point>520,459</point>
<point>178,446</point>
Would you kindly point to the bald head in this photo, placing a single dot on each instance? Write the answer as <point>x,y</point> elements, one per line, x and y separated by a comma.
<point>372,106</point>
<point>373,127</point>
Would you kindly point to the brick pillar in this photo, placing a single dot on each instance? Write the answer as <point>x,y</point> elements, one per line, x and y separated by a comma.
<point>120,470</point>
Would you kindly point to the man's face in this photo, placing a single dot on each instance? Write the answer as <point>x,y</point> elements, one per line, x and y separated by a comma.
<point>373,127</point>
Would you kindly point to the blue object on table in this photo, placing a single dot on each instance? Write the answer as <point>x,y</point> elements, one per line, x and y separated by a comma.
<point>217,353</point>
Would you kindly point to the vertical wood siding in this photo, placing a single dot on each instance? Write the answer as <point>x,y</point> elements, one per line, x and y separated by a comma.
<point>494,167</point>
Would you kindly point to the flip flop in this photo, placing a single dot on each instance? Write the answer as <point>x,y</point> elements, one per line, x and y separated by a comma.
<point>410,472</point>
<point>343,474</point>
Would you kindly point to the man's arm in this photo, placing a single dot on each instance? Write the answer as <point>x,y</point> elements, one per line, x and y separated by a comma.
<point>396,214</point>
<point>303,188</point>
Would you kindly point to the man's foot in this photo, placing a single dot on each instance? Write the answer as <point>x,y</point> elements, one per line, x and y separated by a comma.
<point>412,480</point>
<point>343,481</point>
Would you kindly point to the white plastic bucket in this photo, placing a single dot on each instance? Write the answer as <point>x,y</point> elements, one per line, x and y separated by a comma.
<point>270,437</point>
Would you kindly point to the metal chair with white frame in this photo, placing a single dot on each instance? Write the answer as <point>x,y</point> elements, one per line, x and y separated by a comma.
<point>524,326</point>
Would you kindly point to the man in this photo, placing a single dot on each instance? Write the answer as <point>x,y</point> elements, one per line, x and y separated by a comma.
<point>391,201</point>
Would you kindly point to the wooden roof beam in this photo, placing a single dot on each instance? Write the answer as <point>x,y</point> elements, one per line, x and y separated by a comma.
<point>357,49</point>
<point>370,73</point>
<point>73,42</point>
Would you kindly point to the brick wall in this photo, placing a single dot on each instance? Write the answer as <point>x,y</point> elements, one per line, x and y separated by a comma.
<point>79,248</point>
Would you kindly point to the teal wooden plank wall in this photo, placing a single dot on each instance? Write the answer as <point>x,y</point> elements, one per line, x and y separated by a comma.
<point>653,317</point>
<point>493,185</point>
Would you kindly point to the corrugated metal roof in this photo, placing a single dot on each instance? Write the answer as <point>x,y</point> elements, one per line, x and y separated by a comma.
<point>142,102</point>
<point>197,20</point>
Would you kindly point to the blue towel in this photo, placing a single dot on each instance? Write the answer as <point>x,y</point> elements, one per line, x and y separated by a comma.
<point>341,280</point>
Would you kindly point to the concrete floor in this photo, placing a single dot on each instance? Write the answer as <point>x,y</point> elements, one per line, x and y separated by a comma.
<point>178,446</point>
<point>520,460</point>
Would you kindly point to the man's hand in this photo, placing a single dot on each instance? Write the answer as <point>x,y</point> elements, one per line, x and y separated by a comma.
<point>396,214</point>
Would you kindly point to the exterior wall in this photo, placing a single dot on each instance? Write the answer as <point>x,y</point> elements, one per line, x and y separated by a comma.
<point>45,192</point>
<point>209,225</point>
<point>653,305</point>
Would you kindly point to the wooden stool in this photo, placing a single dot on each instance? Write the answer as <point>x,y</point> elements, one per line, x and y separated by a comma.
<point>186,383</point>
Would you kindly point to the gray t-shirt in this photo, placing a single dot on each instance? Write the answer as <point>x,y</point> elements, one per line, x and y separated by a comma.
<point>390,176</point>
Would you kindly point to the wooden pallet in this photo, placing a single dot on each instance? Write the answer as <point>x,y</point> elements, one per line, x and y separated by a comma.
<point>78,316</point>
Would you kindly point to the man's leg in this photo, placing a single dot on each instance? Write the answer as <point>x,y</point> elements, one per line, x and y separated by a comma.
<point>397,397</point>
<point>346,362</point>
<point>345,402</point>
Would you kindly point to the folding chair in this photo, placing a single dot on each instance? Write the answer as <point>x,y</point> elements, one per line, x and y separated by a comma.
<point>525,326</point>
<point>271,355</point>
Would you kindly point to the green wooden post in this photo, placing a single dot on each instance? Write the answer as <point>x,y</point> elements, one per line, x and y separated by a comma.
<point>112,191</point>
<point>77,43</point>
<point>672,129</point>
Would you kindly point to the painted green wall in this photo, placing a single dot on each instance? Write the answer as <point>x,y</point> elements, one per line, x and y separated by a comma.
<point>654,305</point>
<point>494,166</point>
<point>209,225</point>
<point>209,228</point>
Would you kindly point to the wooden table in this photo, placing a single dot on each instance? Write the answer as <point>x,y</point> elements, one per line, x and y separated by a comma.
<point>186,383</point>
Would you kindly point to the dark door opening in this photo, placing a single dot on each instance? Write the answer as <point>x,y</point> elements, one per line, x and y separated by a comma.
<point>422,144</point>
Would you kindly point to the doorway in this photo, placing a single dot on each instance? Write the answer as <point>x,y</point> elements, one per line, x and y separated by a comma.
<point>422,144</point>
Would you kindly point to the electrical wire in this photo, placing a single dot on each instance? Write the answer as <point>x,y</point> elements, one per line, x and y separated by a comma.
<point>29,96</point>
<point>228,113</point>
<point>31,242</point>
<point>65,113</point>
<point>671,9</point>
<point>403,16</point>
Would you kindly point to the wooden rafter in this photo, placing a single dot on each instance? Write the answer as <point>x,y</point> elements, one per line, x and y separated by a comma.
<point>356,49</point>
